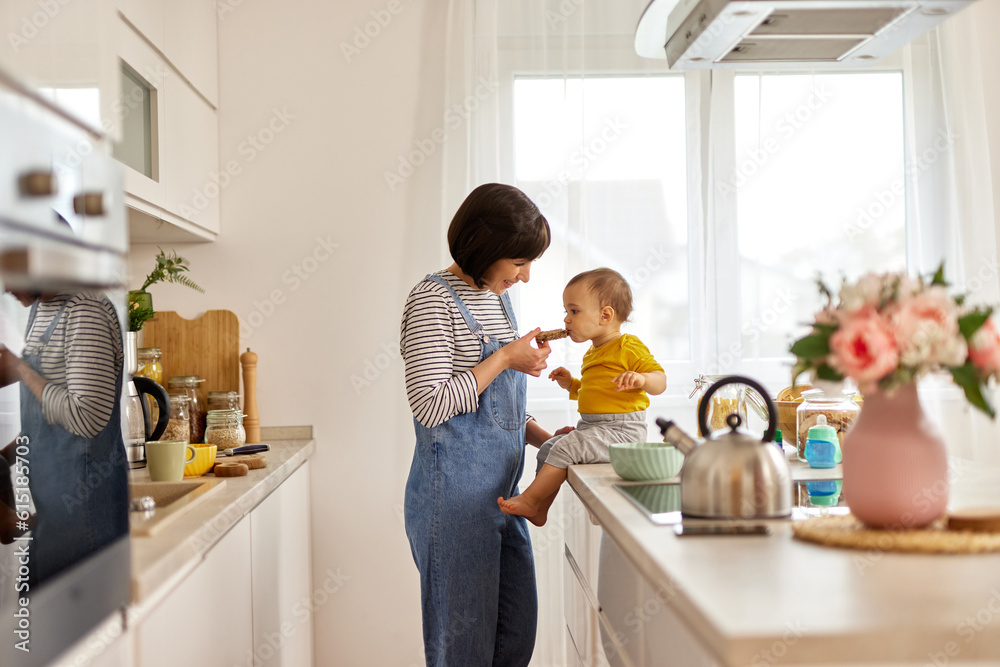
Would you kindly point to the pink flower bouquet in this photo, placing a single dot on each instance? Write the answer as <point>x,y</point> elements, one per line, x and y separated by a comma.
<point>889,329</point>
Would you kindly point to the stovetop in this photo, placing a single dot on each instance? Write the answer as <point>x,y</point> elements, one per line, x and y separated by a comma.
<point>661,501</point>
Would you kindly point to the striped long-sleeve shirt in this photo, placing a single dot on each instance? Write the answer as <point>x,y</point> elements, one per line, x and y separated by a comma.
<point>80,362</point>
<point>439,350</point>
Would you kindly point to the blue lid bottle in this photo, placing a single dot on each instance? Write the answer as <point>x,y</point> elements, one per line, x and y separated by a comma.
<point>822,445</point>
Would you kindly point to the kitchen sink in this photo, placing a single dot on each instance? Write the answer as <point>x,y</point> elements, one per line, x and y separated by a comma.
<point>173,500</point>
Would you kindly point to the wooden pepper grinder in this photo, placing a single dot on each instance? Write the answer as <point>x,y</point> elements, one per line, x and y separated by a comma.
<point>251,422</point>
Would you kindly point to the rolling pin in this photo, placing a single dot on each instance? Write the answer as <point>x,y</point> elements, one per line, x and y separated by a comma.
<point>251,422</point>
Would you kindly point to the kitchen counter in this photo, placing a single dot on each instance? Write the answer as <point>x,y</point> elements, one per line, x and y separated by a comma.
<point>161,560</point>
<point>763,599</point>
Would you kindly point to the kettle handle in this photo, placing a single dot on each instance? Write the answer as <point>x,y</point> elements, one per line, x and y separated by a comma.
<point>144,385</point>
<point>772,412</point>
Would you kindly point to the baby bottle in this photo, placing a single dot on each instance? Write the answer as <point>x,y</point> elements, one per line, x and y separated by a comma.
<point>822,445</point>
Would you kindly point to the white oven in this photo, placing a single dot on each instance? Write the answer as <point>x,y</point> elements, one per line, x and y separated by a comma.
<point>62,229</point>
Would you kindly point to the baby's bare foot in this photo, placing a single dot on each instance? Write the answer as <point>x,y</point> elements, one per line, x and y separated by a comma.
<point>520,506</point>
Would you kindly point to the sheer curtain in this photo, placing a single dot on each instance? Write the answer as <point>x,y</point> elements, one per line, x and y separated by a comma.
<point>527,82</point>
<point>951,208</point>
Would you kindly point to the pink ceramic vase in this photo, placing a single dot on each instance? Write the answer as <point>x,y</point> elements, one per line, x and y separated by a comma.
<point>895,463</point>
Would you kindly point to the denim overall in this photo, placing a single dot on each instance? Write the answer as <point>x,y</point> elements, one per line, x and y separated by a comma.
<point>79,485</point>
<point>477,576</point>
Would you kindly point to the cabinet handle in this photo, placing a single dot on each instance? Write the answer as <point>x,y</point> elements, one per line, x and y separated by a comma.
<point>38,183</point>
<point>89,203</point>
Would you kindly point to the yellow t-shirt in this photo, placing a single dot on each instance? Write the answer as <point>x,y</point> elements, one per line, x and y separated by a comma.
<point>595,390</point>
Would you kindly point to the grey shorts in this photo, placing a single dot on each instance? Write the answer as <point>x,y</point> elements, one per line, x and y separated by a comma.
<point>589,442</point>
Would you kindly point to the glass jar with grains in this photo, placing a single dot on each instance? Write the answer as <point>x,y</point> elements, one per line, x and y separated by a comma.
<point>225,429</point>
<point>188,384</point>
<point>179,424</point>
<point>223,400</point>
<point>729,399</point>
<point>839,407</point>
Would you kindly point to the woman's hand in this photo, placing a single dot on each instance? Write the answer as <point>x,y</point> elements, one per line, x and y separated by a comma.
<point>562,377</point>
<point>522,356</point>
<point>564,430</point>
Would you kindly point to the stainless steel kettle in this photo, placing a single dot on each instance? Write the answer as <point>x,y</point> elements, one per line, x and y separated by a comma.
<point>732,475</point>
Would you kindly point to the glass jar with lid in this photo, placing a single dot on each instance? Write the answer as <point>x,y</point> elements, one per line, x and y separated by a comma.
<point>189,384</point>
<point>179,424</point>
<point>223,400</point>
<point>150,364</point>
<point>225,429</point>
<point>830,400</point>
<point>729,399</point>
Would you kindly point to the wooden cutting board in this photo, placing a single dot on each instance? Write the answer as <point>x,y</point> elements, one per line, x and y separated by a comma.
<point>207,346</point>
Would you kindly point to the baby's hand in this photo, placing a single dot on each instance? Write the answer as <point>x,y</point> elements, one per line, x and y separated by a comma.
<point>563,377</point>
<point>629,380</point>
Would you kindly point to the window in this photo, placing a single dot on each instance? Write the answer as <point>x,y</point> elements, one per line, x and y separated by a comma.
<point>790,175</point>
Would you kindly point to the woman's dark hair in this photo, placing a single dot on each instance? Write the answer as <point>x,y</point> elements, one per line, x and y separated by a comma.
<point>496,221</point>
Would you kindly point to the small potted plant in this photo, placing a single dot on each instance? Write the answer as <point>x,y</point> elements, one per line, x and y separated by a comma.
<point>169,269</point>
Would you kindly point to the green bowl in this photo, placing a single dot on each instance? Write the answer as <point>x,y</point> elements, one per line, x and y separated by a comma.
<point>638,461</point>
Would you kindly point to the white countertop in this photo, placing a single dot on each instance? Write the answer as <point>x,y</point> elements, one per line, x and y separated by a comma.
<point>169,555</point>
<point>741,596</point>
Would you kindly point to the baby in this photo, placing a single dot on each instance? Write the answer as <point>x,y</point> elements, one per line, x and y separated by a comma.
<point>617,374</point>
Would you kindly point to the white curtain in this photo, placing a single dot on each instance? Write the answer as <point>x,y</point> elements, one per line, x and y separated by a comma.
<point>951,207</point>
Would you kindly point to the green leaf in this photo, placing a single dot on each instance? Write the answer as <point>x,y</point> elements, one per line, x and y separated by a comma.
<point>967,378</point>
<point>969,324</point>
<point>938,278</point>
<point>812,346</point>
<point>798,369</point>
<point>827,372</point>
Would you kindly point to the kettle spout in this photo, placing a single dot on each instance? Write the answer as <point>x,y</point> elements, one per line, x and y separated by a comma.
<point>673,434</point>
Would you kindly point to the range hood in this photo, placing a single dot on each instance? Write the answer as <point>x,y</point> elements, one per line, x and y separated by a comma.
<point>814,34</point>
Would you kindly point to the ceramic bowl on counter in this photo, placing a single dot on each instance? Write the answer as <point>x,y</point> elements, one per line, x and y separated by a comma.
<point>642,461</point>
<point>203,461</point>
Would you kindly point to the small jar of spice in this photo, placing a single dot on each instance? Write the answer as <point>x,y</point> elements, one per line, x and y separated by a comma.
<point>179,424</point>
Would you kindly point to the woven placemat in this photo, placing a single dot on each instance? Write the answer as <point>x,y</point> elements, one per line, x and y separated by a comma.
<point>849,533</point>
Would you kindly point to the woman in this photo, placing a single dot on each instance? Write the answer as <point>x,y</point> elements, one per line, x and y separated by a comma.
<point>466,379</point>
<point>71,379</point>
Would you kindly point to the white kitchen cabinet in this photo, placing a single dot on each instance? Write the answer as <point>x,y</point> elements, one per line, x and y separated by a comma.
<point>185,31</point>
<point>639,627</point>
<point>207,618</point>
<point>64,53</point>
<point>179,199</point>
<point>581,608</point>
<point>283,598</point>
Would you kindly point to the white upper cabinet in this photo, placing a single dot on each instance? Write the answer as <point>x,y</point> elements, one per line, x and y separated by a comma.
<point>170,119</point>
<point>64,54</point>
<point>184,31</point>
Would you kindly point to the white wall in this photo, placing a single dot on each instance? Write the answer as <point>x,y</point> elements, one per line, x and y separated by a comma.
<point>322,178</point>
